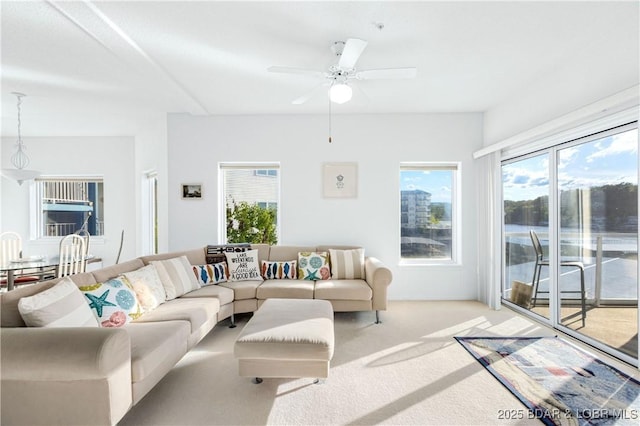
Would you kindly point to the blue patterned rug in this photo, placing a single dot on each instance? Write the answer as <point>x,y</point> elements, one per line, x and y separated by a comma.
<point>559,383</point>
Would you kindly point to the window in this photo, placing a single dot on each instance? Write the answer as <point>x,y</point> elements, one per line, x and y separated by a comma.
<point>579,199</point>
<point>266,172</point>
<point>65,205</point>
<point>250,196</point>
<point>428,218</point>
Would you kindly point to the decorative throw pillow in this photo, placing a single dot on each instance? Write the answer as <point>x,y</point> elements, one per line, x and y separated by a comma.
<point>113,302</point>
<point>347,264</point>
<point>62,305</point>
<point>313,266</point>
<point>176,276</point>
<point>147,286</point>
<point>279,270</point>
<point>243,266</point>
<point>210,273</point>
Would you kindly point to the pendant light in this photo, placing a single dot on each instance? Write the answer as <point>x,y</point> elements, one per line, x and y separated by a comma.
<point>20,159</point>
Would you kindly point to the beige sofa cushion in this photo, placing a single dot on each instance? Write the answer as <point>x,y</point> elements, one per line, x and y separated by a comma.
<point>104,274</point>
<point>343,290</point>
<point>285,253</point>
<point>286,289</point>
<point>243,289</point>
<point>195,256</point>
<point>197,311</point>
<point>156,345</point>
<point>223,294</point>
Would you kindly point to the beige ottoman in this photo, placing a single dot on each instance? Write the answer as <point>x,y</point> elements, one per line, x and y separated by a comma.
<point>287,338</point>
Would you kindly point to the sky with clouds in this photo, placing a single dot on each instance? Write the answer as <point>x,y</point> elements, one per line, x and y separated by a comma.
<point>436,182</point>
<point>607,161</point>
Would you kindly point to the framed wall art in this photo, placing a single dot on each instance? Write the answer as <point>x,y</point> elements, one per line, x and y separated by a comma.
<point>191,191</point>
<point>340,180</point>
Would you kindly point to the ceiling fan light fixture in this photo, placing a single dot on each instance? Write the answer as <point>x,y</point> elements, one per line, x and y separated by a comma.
<point>340,93</point>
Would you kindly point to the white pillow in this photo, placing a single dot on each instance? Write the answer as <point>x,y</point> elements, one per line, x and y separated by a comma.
<point>148,287</point>
<point>113,302</point>
<point>243,266</point>
<point>176,276</point>
<point>62,305</point>
<point>347,264</point>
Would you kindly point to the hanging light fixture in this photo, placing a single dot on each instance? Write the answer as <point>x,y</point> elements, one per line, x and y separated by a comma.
<point>20,159</point>
<point>340,92</point>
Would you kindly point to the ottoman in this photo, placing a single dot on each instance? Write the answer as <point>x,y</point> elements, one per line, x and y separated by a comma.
<point>287,338</point>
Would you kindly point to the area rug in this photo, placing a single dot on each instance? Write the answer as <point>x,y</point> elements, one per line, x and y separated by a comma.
<point>559,383</point>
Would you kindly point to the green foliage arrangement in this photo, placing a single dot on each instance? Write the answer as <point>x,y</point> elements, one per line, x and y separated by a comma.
<point>250,223</point>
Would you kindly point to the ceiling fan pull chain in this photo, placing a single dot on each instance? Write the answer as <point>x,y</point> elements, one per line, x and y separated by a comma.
<point>329,120</point>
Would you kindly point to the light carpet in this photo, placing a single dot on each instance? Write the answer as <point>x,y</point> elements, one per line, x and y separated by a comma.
<point>409,370</point>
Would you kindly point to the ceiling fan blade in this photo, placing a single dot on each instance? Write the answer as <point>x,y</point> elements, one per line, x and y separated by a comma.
<point>352,50</point>
<point>389,73</point>
<point>291,70</point>
<point>304,98</point>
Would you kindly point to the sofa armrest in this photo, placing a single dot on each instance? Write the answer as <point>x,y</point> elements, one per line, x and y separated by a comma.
<point>65,375</point>
<point>378,276</point>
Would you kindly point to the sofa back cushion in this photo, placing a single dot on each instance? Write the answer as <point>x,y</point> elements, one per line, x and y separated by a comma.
<point>195,256</point>
<point>9,313</point>
<point>113,271</point>
<point>287,253</point>
<point>263,251</point>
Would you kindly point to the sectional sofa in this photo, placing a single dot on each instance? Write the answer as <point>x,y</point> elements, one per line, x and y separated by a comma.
<point>94,375</point>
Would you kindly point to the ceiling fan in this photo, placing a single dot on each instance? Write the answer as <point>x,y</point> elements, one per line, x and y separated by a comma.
<point>339,75</point>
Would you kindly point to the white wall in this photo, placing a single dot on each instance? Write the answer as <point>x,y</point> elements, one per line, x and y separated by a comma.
<point>111,157</point>
<point>378,143</point>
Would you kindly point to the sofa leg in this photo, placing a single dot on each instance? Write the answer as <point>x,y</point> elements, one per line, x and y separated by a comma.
<point>378,318</point>
<point>233,322</point>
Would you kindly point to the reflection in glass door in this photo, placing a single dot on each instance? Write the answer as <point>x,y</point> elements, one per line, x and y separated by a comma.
<point>587,192</point>
<point>598,239</point>
<point>525,184</point>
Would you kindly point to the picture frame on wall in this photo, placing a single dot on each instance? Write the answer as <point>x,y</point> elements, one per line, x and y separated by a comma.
<point>191,191</point>
<point>340,180</point>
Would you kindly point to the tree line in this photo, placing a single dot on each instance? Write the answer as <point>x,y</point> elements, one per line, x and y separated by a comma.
<point>612,208</point>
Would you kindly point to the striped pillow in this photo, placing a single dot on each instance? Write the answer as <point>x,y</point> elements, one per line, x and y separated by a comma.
<point>63,305</point>
<point>211,273</point>
<point>279,270</point>
<point>347,264</point>
<point>176,276</point>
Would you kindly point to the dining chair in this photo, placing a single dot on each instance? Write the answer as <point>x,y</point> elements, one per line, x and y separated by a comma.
<point>541,261</point>
<point>72,255</point>
<point>85,234</point>
<point>10,250</point>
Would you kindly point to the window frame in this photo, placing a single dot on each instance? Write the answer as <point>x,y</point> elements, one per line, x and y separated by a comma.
<point>456,223</point>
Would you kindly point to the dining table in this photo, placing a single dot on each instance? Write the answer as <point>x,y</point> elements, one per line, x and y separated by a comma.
<point>40,266</point>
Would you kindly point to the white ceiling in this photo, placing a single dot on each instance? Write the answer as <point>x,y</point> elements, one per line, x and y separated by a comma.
<point>101,67</point>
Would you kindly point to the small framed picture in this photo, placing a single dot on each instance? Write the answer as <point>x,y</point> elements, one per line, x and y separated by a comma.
<point>340,180</point>
<point>191,191</point>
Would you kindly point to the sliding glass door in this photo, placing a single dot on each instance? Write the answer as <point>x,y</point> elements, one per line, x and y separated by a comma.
<point>571,238</point>
<point>526,215</point>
